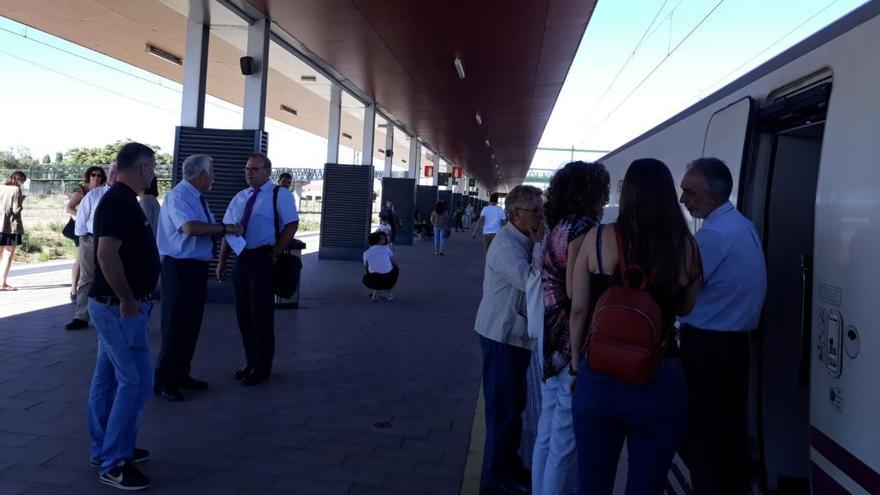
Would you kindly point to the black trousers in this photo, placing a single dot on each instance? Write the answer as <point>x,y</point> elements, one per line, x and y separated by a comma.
<point>255,307</point>
<point>382,281</point>
<point>715,445</point>
<point>184,285</point>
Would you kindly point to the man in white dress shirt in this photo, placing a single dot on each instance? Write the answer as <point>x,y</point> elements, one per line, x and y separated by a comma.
<point>85,218</point>
<point>255,209</point>
<point>186,234</point>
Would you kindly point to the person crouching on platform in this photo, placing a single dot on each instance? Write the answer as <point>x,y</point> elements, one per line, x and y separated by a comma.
<point>255,209</point>
<point>186,234</point>
<point>382,269</point>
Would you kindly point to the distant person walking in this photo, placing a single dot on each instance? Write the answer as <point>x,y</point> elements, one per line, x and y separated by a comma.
<point>505,343</point>
<point>440,221</point>
<point>715,335</point>
<point>120,306</point>
<point>85,253</point>
<point>457,218</point>
<point>575,200</point>
<point>254,208</point>
<point>93,177</point>
<point>381,267</point>
<point>633,400</point>
<point>492,218</point>
<point>186,243</point>
<point>468,216</point>
<point>11,230</point>
<point>389,215</point>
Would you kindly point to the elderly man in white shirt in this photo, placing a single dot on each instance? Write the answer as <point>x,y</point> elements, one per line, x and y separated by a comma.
<point>185,240</point>
<point>504,339</point>
<point>85,254</point>
<point>255,209</point>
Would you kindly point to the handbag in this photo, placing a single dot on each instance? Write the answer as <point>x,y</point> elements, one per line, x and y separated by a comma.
<point>68,230</point>
<point>287,265</point>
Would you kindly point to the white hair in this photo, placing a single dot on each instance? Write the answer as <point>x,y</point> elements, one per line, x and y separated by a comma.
<point>196,164</point>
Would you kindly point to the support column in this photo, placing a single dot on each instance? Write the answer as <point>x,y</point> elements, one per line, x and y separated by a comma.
<point>195,66</point>
<point>436,168</point>
<point>415,157</point>
<point>335,124</point>
<point>255,84</point>
<point>389,148</point>
<point>369,134</point>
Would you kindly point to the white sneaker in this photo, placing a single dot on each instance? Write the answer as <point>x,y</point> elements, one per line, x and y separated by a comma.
<point>374,296</point>
<point>389,296</point>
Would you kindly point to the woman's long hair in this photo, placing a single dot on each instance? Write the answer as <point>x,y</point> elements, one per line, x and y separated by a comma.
<point>440,208</point>
<point>655,234</point>
<point>576,189</point>
<point>17,179</point>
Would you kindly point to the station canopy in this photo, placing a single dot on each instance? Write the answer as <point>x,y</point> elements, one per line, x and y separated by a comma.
<point>514,56</point>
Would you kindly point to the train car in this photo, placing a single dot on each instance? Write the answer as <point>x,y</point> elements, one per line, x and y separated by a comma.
<point>801,134</point>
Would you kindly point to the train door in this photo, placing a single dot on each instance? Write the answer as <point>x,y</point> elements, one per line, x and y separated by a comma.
<point>781,198</point>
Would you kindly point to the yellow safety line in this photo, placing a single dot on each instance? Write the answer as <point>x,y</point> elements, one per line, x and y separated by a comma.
<point>470,484</point>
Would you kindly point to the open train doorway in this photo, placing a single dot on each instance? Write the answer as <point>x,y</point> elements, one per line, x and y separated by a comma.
<point>782,199</point>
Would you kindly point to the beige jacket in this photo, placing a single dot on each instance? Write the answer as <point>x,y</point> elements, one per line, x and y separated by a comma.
<point>11,201</point>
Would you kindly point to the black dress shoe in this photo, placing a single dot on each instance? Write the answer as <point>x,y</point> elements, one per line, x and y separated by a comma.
<point>190,383</point>
<point>76,324</point>
<point>254,379</point>
<point>243,373</point>
<point>169,393</point>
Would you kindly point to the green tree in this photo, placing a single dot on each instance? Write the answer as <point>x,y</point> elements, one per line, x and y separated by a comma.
<point>47,159</point>
<point>16,158</point>
<point>106,154</point>
<point>59,157</point>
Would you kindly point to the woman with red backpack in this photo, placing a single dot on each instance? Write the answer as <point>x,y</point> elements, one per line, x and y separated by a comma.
<point>643,271</point>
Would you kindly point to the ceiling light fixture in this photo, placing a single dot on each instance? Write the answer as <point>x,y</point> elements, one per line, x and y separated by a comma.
<point>487,144</point>
<point>166,56</point>
<point>308,78</point>
<point>478,118</point>
<point>287,109</point>
<point>459,67</point>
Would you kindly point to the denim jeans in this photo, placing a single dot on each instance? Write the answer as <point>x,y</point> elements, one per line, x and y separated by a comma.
<point>554,453</point>
<point>439,239</point>
<point>121,384</point>
<point>650,418</point>
<point>504,391</point>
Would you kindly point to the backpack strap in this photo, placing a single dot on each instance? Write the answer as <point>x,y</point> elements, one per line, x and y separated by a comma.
<point>624,268</point>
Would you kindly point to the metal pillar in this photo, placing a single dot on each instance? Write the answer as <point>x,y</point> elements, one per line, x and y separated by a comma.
<point>195,66</point>
<point>335,124</point>
<point>369,134</point>
<point>389,148</point>
<point>436,169</point>
<point>255,84</point>
<point>415,158</point>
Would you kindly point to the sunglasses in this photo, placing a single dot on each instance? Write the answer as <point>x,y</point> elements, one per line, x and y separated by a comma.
<point>96,174</point>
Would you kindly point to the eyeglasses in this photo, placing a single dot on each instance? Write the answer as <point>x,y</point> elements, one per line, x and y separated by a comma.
<point>96,174</point>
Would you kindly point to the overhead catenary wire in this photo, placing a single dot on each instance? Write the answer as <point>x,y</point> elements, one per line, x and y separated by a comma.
<point>651,73</point>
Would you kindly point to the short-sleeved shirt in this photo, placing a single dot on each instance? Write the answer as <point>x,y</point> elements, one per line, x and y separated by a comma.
<point>261,228</point>
<point>119,215</point>
<point>377,259</point>
<point>493,216</point>
<point>183,204</point>
<point>85,212</point>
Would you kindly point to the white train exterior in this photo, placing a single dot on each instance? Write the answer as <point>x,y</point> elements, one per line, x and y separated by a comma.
<point>801,135</point>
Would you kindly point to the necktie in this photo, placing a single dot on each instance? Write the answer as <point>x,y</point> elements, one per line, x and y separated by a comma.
<point>208,220</point>
<point>249,209</point>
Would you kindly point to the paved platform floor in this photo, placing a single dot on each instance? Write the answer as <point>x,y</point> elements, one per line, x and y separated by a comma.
<point>366,397</point>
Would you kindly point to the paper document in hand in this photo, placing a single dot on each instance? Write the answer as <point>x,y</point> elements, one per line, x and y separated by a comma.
<point>236,242</point>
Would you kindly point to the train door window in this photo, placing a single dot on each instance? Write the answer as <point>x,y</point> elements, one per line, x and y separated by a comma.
<point>790,131</point>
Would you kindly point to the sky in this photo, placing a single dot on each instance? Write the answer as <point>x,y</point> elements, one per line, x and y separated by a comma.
<point>640,62</point>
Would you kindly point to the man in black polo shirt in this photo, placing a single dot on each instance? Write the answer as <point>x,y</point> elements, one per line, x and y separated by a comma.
<point>127,270</point>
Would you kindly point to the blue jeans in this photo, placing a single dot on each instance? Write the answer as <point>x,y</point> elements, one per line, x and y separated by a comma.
<point>121,384</point>
<point>554,453</point>
<point>651,418</point>
<point>439,239</point>
<point>504,391</point>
